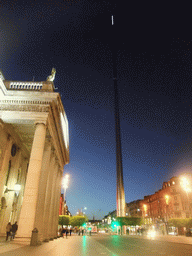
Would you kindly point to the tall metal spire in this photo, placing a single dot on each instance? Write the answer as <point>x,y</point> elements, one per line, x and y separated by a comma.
<point>120,194</point>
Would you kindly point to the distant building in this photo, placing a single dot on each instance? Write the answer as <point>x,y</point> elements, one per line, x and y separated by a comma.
<point>133,209</point>
<point>63,208</point>
<point>173,200</point>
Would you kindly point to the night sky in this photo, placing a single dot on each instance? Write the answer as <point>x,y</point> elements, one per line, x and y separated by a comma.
<point>153,45</point>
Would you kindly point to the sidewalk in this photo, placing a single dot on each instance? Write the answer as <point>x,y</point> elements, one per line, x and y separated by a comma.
<point>72,246</point>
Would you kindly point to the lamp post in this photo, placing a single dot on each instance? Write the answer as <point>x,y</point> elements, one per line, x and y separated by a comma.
<point>65,185</point>
<point>186,187</point>
<point>16,189</point>
<point>167,205</point>
<point>145,210</point>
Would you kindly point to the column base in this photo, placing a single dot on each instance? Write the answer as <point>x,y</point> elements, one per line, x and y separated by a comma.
<point>46,240</point>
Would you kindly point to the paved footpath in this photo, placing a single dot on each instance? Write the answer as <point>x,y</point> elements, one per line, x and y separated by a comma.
<point>72,246</point>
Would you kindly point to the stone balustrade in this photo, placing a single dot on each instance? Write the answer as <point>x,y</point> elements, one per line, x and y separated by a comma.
<point>26,85</point>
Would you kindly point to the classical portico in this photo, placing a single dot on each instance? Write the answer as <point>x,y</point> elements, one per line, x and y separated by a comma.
<point>34,148</point>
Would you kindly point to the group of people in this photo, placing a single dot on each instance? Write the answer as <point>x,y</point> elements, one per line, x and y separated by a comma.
<point>65,231</point>
<point>11,230</point>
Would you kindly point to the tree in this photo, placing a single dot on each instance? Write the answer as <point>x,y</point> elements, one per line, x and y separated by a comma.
<point>179,223</point>
<point>77,221</point>
<point>126,221</point>
<point>129,221</point>
<point>64,220</point>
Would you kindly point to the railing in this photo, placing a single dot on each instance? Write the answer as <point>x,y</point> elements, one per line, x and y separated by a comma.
<point>26,85</point>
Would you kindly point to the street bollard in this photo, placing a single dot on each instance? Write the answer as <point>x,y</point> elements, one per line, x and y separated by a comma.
<point>34,237</point>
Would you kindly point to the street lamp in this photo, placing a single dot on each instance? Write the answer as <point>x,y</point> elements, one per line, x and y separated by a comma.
<point>186,187</point>
<point>17,188</point>
<point>65,184</point>
<point>167,205</point>
<point>145,210</point>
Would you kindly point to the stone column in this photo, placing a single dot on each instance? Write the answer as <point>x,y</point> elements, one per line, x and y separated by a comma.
<point>22,182</point>
<point>28,210</point>
<point>59,180</point>
<point>56,209</point>
<point>5,164</point>
<point>46,214</point>
<point>42,189</point>
<point>52,200</point>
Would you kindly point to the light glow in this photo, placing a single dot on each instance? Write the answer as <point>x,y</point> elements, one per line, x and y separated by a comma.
<point>167,199</point>
<point>185,184</point>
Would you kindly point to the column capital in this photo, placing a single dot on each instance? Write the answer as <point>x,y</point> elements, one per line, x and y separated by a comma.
<point>41,122</point>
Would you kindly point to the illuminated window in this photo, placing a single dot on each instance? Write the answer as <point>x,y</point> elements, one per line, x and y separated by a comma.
<point>173,182</point>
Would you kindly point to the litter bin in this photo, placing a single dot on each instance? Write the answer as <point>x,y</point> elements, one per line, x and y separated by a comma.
<point>34,237</point>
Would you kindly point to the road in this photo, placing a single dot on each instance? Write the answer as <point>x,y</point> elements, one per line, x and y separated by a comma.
<point>101,245</point>
<point>128,245</point>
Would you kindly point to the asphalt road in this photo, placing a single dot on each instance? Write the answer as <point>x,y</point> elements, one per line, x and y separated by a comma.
<point>128,245</point>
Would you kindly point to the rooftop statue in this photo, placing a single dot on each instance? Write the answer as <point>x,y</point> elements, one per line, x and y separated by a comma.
<point>52,76</point>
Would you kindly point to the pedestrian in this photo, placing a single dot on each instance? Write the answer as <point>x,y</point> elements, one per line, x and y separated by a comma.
<point>79,231</point>
<point>70,231</point>
<point>8,230</point>
<point>63,232</point>
<point>67,231</point>
<point>60,232</point>
<point>14,230</point>
<point>82,231</point>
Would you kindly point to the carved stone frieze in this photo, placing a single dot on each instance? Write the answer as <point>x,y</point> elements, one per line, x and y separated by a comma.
<point>27,108</point>
<point>18,102</point>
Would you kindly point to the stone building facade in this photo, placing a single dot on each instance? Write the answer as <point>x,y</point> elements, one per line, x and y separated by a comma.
<point>34,148</point>
<point>171,201</point>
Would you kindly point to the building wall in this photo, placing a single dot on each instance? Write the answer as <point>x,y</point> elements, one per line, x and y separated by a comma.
<point>32,119</point>
<point>171,201</point>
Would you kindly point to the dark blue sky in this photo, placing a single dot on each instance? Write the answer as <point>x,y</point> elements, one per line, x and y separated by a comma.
<point>154,79</point>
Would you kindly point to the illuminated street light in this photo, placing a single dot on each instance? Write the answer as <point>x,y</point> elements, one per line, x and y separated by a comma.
<point>16,189</point>
<point>186,187</point>
<point>185,184</point>
<point>145,208</point>
<point>167,199</point>
<point>65,184</point>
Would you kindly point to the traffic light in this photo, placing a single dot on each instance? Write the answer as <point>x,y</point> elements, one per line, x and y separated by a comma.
<point>84,225</point>
<point>115,224</point>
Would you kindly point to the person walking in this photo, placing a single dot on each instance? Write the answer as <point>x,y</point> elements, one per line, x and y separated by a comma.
<point>14,230</point>
<point>8,230</point>
<point>67,231</point>
<point>70,231</point>
<point>63,232</point>
<point>82,231</point>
